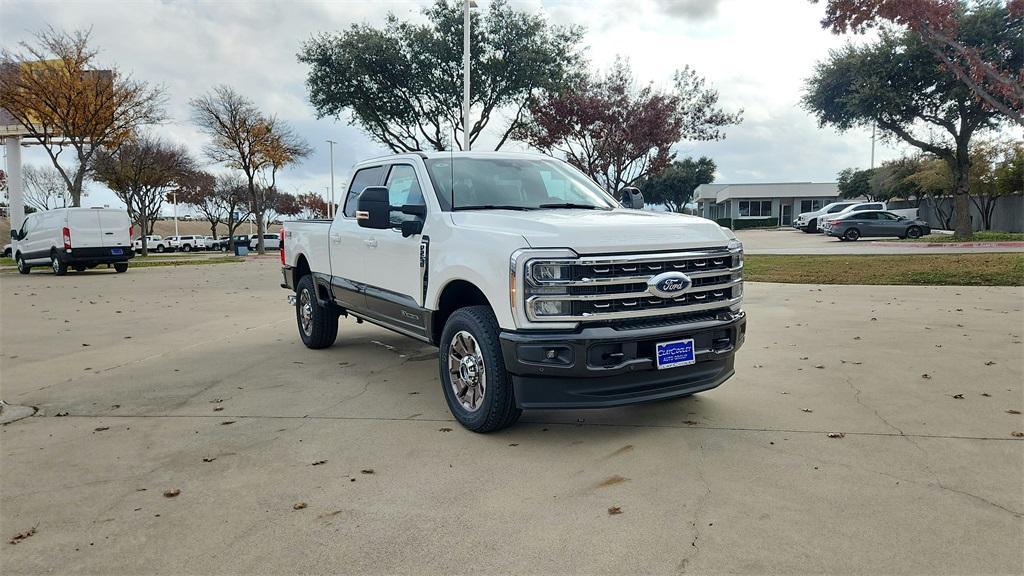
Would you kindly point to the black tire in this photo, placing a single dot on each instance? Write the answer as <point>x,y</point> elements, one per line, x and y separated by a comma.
<point>914,232</point>
<point>852,235</point>
<point>23,268</point>
<point>186,248</point>
<point>58,266</point>
<point>160,248</point>
<point>497,408</point>
<point>120,267</point>
<point>812,226</point>
<point>322,328</point>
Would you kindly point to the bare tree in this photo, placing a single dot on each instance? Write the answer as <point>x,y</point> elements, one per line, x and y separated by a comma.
<point>141,172</point>
<point>45,188</point>
<point>199,190</point>
<point>282,148</point>
<point>233,195</point>
<point>244,138</point>
<point>55,90</point>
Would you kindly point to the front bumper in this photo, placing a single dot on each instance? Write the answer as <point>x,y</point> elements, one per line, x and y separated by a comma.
<point>602,366</point>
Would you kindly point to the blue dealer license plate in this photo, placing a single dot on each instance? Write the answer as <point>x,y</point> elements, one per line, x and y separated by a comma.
<point>116,252</point>
<point>673,354</point>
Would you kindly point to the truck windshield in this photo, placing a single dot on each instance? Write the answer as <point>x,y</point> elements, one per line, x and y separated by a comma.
<point>513,184</point>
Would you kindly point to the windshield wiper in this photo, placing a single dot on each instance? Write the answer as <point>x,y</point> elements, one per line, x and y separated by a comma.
<point>494,207</point>
<point>571,205</point>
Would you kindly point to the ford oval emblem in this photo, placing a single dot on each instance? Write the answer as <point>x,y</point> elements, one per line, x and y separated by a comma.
<point>669,284</point>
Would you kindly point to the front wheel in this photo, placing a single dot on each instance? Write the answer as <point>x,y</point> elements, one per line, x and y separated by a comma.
<point>914,232</point>
<point>852,234</point>
<point>187,248</point>
<point>160,248</point>
<point>318,324</point>
<point>478,390</point>
<point>23,268</point>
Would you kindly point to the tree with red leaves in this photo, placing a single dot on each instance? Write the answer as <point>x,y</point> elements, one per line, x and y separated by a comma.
<point>619,134</point>
<point>312,206</point>
<point>993,73</point>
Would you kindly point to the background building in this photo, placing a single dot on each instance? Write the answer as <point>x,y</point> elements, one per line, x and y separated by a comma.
<point>769,204</point>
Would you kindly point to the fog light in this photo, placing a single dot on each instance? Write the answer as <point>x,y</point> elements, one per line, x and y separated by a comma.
<point>551,307</point>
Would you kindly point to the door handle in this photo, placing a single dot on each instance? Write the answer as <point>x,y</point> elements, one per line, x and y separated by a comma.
<point>336,238</point>
<point>109,233</point>
<point>371,242</point>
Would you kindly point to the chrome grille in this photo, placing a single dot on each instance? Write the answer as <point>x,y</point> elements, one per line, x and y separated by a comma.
<point>615,287</point>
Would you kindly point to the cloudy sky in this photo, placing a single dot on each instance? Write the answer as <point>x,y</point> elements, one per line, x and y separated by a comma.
<point>757,53</point>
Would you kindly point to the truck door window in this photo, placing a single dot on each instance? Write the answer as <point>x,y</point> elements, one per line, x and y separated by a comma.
<point>403,189</point>
<point>360,180</point>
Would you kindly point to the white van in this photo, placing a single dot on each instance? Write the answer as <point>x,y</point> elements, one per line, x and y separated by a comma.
<point>76,238</point>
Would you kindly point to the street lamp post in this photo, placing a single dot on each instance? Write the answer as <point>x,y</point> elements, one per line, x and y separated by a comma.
<point>174,197</point>
<point>465,72</point>
<point>330,206</point>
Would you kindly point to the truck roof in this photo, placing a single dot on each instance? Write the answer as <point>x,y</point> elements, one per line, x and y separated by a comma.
<point>458,154</point>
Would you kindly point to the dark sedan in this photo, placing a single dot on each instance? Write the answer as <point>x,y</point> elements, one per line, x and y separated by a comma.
<point>873,223</point>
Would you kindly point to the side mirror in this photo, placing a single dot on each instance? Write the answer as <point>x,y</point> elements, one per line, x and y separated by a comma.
<point>898,217</point>
<point>411,227</point>
<point>15,235</point>
<point>373,209</point>
<point>631,197</point>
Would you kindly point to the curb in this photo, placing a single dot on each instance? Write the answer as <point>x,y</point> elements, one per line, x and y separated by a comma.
<point>951,244</point>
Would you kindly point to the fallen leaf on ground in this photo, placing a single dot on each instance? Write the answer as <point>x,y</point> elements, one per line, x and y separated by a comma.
<point>1013,411</point>
<point>836,435</point>
<point>367,471</point>
<point>819,367</point>
<point>58,414</point>
<point>226,422</point>
<point>926,376</point>
<point>172,493</point>
<point>514,444</point>
<point>444,429</point>
<point>102,428</point>
<point>614,510</point>
<point>690,422</point>
<point>806,410</point>
<point>218,408</point>
<point>299,505</point>
<point>986,394</point>
<point>319,462</point>
<point>23,535</point>
<point>958,396</point>
<point>989,363</point>
<point>1017,434</point>
<point>208,459</point>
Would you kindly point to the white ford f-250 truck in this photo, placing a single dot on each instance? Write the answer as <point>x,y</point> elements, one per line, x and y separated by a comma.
<point>539,288</point>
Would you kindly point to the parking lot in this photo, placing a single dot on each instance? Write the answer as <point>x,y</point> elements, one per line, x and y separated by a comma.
<point>183,428</point>
<point>790,241</point>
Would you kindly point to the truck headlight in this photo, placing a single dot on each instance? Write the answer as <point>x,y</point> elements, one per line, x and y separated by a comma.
<point>543,308</point>
<point>544,272</point>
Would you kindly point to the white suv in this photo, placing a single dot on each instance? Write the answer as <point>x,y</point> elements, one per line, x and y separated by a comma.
<point>186,243</point>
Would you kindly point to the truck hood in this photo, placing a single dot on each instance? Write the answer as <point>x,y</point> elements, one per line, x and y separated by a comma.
<point>599,231</point>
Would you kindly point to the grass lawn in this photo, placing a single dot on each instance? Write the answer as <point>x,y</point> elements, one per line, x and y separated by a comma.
<point>977,237</point>
<point>911,269</point>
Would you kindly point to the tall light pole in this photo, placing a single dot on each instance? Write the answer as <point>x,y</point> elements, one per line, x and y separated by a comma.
<point>465,72</point>
<point>873,126</point>
<point>174,197</point>
<point>330,206</point>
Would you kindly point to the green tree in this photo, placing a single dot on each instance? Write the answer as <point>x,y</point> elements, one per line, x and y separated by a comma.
<point>854,183</point>
<point>402,83</point>
<point>675,185</point>
<point>892,179</point>
<point>898,84</point>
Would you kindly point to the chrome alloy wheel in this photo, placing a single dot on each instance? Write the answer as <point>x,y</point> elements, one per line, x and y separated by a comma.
<point>466,368</point>
<point>306,312</point>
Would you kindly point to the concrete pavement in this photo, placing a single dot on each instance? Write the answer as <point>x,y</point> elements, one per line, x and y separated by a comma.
<point>790,241</point>
<point>193,379</point>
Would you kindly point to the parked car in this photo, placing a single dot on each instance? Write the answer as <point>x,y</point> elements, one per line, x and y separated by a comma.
<point>270,242</point>
<point>823,222</point>
<point>529,277</point>
<point>76,238</point>
<point>240,239</point>
<point>808,221</point>
<point>7,251</point>
<point>871,223</point>
<point>154,243</point>
<point>215,243</point>
<point>186,243</point>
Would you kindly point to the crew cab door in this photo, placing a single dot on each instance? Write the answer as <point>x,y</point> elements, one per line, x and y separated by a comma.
<point>392,271</point>
<point>345,242</point>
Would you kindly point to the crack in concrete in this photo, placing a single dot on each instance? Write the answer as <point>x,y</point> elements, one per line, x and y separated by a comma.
<point>698,512</point>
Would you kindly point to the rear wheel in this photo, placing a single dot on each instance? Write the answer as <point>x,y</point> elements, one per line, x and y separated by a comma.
<point>914,232</point>
<point>478,390</point>
<point>186,248</point>
<point>852,234</point>
<point>120,267</point>
<point>318,324</point>
<point>160,248</point>
<point>59,267</point>
<point>23,268</point>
